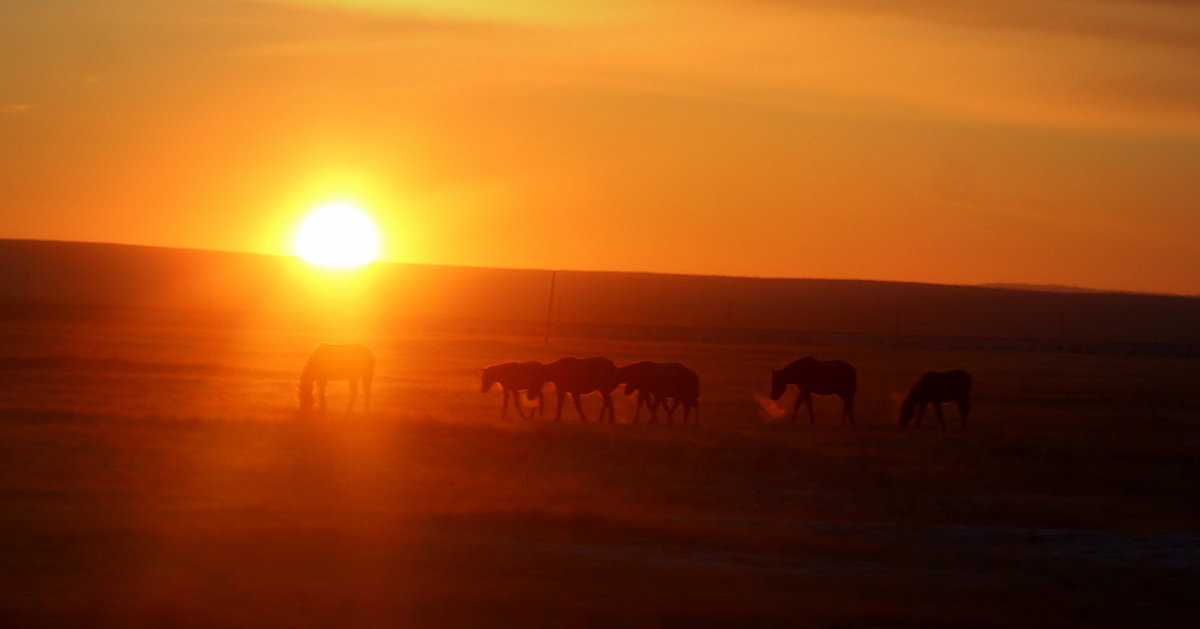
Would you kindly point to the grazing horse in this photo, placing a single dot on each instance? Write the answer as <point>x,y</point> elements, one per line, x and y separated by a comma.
<point>937,388</point>
<point>820,377</point>
<point>637,377</point>
<point>681,385</point>
<point>656,383</point>
<point>580,376</point>
<point>337,362</point>
<point>514,378</point>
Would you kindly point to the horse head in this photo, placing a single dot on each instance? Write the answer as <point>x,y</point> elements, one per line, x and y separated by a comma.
<point>907,410</point>
<point>777,384</point>
<point>487,380</point>
<point>306,397</point>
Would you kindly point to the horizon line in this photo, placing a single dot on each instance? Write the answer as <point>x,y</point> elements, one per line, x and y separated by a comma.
<point>1006,286</point>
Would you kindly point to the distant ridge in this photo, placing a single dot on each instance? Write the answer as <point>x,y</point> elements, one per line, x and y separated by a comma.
<point>109,275</point>
<point>1058,288</point>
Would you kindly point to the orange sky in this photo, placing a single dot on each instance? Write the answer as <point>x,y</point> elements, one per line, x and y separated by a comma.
<point>1039,141</point>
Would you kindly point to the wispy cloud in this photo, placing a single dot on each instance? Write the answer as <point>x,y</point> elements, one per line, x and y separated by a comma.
<point>1068,63</point>
<point>1160,22</point>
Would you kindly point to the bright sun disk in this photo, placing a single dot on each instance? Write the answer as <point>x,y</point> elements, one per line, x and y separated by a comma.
<point>337,235</point>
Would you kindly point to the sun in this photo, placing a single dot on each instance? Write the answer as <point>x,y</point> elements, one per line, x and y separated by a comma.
<point>339,235</point>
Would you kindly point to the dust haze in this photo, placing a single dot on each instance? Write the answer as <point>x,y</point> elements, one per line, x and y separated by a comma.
<point>157,469</point>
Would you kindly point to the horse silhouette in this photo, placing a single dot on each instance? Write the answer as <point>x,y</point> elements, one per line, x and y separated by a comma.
<point>636,377</point>
<point>819,377</point>
<point>681,385</point>
<point>580,376</point>
<point>514,378</point>
<point>937,388</point>
<point>328,362</point>
<point>655,383</point>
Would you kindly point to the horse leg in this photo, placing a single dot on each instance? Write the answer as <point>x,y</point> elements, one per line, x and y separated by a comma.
<point>579,407</point>
<point>671,411</point>
<point>503,402</point>
<point>937,406</point>
<point>516,398</point>
<point>562,396</point>
<point>796,406</point>
<point>534,405</point>
<point>652,404</point>
<point>520,406</point>
<point>608,404</point>
<point>321,392</point>
<point>812,418</point>
<point>353,394</point>
<point>920,414</point>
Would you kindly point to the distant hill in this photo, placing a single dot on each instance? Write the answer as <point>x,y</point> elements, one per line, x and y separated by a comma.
<point>1051,288</point>
<point>90,274</point>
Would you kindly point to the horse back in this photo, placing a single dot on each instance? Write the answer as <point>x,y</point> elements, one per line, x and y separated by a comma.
<point>516,375</point>
<point>823,377</point>
<point>583,375</point>
<point>678,381</point>
<point>339,362</point>
<point>943,386</point>
<point>637,376</point>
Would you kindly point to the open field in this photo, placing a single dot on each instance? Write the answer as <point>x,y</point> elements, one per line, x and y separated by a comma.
<point>159,475</point>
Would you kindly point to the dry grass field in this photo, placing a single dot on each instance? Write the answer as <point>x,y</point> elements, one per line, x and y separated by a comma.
<point>160,475</point>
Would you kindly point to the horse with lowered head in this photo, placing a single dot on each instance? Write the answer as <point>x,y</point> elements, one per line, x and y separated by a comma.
<point>636,377</point>
<point>328,362</point>
<point>937,388</point>
<point>513,378</point>
<point>655,383</point>
<point>820,377</point>
<point>580,376</point>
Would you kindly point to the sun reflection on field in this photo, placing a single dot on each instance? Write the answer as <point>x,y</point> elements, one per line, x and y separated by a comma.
<point>339,305</point>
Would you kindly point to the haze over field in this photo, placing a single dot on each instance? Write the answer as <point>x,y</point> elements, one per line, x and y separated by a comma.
<point>155,472</point>
<point>723,309</point>
<point>1032,141</point>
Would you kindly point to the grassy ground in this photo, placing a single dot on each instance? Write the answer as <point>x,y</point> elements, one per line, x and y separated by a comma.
<point>157,475</point>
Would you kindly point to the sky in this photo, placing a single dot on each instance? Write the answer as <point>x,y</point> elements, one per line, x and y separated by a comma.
<point>1026,141</point>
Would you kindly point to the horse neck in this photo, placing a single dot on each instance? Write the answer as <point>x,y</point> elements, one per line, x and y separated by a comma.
<point>797,374</point>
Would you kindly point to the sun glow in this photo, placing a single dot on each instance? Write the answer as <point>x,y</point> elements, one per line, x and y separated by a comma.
<point>337,235</point>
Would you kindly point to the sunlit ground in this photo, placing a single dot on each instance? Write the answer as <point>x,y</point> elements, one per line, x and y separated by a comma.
<point>159,474</point>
